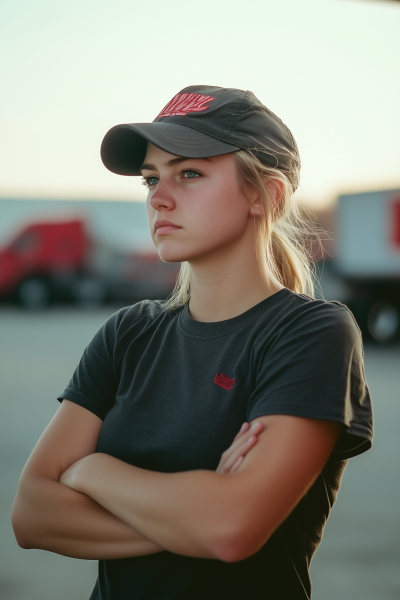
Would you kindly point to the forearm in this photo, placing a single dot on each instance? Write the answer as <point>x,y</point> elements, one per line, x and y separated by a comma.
<point>50,516</point>
<point>185,513</point>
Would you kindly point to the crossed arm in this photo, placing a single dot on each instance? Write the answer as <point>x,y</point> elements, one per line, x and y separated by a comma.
<point>105,508</point>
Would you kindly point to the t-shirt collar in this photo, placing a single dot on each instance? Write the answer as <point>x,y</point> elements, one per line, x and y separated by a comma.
<point>201,329</point>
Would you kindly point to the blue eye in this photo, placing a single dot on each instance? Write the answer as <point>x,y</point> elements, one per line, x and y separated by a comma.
<point>150,181</point>
<point>190,174</point>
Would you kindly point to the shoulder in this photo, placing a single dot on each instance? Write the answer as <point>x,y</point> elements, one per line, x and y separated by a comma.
<point>141,314</point>
<point>127,324</point>
<point>301,329</point>
<point>302,315</point>
<point>312,366</point>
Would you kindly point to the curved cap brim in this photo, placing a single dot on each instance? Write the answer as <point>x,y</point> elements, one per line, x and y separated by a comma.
<point>124,147</point>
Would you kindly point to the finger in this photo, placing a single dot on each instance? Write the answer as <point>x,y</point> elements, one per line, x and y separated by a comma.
<point>257,427</point>
<point>237,464</point>
<point>248,431</point>
<point>242,450</point>
<point>238,446</point>
<point>245,427</point>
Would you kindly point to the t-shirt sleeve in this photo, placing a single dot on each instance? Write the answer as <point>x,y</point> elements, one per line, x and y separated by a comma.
<point>315,369</point>
<point>95,380</point>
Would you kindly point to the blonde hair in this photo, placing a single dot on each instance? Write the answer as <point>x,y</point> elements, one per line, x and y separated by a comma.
<point>286,233</point>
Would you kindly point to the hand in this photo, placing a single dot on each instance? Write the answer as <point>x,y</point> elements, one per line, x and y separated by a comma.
<point>233,457</point>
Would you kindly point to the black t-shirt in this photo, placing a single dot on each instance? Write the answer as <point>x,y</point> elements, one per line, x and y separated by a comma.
<point>173,392</point>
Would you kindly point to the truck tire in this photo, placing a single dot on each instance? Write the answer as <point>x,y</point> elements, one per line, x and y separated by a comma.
<point>34,293</point>
<point>383,322</point>
<point>89,293</point>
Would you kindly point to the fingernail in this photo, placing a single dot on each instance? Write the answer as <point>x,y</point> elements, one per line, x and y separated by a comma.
<point>254,426</point>
<point>243,426</point>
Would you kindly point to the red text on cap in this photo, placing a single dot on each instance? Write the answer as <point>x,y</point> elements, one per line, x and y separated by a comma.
<point>182,104</point>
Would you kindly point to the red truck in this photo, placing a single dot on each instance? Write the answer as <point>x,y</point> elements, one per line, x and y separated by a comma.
<point>57,260</point>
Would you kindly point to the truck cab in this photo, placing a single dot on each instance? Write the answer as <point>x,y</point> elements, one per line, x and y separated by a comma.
<point>41,260</point>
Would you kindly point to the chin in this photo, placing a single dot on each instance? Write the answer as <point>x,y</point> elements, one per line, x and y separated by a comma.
<point>172,256</point>
<point>171,251</point>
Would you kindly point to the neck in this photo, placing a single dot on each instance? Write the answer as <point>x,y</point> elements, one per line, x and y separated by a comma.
<point>229,283</point>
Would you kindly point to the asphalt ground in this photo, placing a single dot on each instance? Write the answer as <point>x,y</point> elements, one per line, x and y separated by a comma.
<point>359,556</point>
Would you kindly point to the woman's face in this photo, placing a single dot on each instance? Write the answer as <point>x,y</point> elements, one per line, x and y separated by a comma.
<point>200,197</point>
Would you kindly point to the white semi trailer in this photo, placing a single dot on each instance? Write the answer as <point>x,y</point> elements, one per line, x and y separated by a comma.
<point>367,260</point>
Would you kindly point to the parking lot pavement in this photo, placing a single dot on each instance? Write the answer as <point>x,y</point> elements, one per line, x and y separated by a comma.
<point>360,550</point>
<point>359,555</point>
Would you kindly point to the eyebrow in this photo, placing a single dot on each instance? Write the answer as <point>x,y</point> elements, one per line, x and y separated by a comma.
<point>170,163</point>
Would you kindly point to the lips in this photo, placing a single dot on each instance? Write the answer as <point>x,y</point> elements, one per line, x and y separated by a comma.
<point>163,226</point>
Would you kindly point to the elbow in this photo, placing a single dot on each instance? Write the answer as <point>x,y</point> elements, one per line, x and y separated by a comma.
<point>23,542</point>
<point>229,553</point>
<point>240,544</point>
<point>233,551</point>
<point>21,528</point>
<point>234,527</point>
<point>20,534</point>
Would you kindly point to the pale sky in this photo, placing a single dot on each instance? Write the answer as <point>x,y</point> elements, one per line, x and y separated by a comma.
<point>71,70</point>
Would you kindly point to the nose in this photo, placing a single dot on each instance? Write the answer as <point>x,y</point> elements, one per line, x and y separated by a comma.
<point>162,197</point>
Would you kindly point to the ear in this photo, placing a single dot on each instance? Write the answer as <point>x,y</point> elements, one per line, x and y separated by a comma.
<point>255,201</point>
<point>257,207</point>
<point>276,190</point>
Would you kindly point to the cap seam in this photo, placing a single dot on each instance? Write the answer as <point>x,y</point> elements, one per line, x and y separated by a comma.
<point>234,116</point>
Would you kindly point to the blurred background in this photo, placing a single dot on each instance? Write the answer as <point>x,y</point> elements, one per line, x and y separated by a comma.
<point>74,243</point>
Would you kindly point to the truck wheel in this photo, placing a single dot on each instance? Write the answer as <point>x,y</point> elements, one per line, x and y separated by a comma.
<point>383,322</point>
<point>34,294</point>
<point>89,293</point>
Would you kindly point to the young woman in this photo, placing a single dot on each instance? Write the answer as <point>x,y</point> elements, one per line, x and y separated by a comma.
<point>201,441</point>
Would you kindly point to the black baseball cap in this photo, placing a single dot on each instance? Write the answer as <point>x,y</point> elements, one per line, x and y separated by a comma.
<point>203,121</point>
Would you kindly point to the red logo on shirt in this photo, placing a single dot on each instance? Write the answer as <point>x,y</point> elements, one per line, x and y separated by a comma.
<point>224,381</point>
<point>182,104</point>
